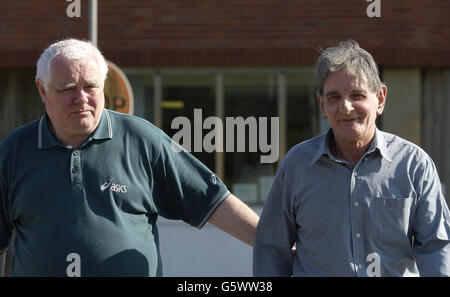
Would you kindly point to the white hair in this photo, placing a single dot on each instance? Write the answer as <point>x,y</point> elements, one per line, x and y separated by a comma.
<point>71,49</point>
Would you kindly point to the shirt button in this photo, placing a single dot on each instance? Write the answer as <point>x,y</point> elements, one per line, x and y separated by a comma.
<point>74,169</point>
<point>76,152</point>
<point>356,204</point>
<point>358,235</point>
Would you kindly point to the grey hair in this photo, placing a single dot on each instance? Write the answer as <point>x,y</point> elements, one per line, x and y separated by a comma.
<point>71,49</point>
<point>349,56</point>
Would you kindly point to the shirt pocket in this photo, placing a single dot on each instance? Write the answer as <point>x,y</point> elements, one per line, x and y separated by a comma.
<point>393,216</point>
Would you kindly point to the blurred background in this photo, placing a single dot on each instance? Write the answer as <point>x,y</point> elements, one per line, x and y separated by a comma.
<point>239,58</point>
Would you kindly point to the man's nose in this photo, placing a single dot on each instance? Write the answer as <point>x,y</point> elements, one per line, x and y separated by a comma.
<point>81,96</point>
<point>346,105</point>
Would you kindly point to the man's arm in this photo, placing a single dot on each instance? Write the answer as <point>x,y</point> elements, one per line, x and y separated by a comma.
<point>275,235</point>
<point>236,218</point>
<point>431,225</point>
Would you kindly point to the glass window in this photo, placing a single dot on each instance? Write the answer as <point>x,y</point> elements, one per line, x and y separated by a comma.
<point>142,86</point>
<point>250,97</point>
<point>191,97</point>
<point>250,108</point>
<point>302,109</point>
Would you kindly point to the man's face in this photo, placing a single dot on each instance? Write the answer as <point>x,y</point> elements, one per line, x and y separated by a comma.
<point>350,107</point>
<point>74,98</point>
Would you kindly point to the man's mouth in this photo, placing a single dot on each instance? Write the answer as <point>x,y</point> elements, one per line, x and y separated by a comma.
<point>349,120</point>
<point>81,112</point>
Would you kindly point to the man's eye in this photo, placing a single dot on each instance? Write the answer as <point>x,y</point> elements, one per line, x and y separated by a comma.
<point>65,90</point>
<point>359,96</point>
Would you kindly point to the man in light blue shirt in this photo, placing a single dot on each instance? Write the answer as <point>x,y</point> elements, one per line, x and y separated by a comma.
<point>355,201</point>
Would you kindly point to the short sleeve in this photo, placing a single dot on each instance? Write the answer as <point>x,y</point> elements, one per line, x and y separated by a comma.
<point>184,188</point>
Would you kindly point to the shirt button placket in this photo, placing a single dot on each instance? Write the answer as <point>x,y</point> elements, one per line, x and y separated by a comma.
<point>356,223</point>
<point>75,168</point>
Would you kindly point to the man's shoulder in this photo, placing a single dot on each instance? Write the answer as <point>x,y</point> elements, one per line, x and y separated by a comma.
<point>303,152</point>
<point>397,144</point>
<point>142,133</point>
<point>401,149</point>
<point>131,123</point>
<point>26,134</point>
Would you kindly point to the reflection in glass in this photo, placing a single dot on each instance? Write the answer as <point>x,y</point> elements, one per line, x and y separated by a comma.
<point>181,97</point>
<point>250,96</point>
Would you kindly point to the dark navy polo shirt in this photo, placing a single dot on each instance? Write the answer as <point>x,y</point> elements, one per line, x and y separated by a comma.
<point>99,200</point>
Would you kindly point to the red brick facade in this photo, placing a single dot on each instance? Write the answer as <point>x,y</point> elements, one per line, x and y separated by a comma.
<point>231,33</point>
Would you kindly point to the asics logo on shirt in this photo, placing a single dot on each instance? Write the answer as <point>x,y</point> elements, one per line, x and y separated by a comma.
<point>106,184</point>
<point>214,179</point>
<point>114,187</point>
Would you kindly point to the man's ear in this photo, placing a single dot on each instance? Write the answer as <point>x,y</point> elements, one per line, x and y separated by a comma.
<point>42,91</point>
<point>381,96</point>
<point>320,100</point>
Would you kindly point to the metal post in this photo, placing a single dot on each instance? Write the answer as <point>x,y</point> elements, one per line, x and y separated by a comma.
<point>282,114</point>
<point>157,100</point>
<point>93,21</point>
<point>219,165</point>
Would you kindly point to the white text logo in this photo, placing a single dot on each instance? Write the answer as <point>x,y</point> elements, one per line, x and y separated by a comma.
<point>118,188</point>
<point>374,9</point>
<point>73,9</point>
<point>74,268</point>
<point>213,141</point>
<point>373,269</point>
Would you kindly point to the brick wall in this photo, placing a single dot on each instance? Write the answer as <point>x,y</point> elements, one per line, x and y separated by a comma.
<point>241,33</point>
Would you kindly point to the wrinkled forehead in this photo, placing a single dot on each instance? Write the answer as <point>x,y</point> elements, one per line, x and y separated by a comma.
<point>358,74</point>
<point>343,78</point>
<point>86,67</point>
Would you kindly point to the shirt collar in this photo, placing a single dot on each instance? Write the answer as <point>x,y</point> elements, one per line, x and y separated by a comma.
<point>104,128</point>
<point>323,147</point>
<point>46,139</point>
<point>378,142</point>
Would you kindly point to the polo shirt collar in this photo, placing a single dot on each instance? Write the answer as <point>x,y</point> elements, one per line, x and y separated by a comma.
<point>378,143</point>
<point>46,139</point>
<point>104,128</point>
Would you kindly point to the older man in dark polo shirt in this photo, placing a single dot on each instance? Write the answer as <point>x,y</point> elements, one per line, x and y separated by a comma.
<point>87,184</point>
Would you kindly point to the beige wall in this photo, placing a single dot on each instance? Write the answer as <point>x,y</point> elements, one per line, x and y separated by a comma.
<point>418,109</point>
<point>436,126</point>
<point>402,114</point>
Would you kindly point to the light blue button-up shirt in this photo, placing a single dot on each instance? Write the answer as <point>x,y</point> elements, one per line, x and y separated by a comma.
<point>385,216</point>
